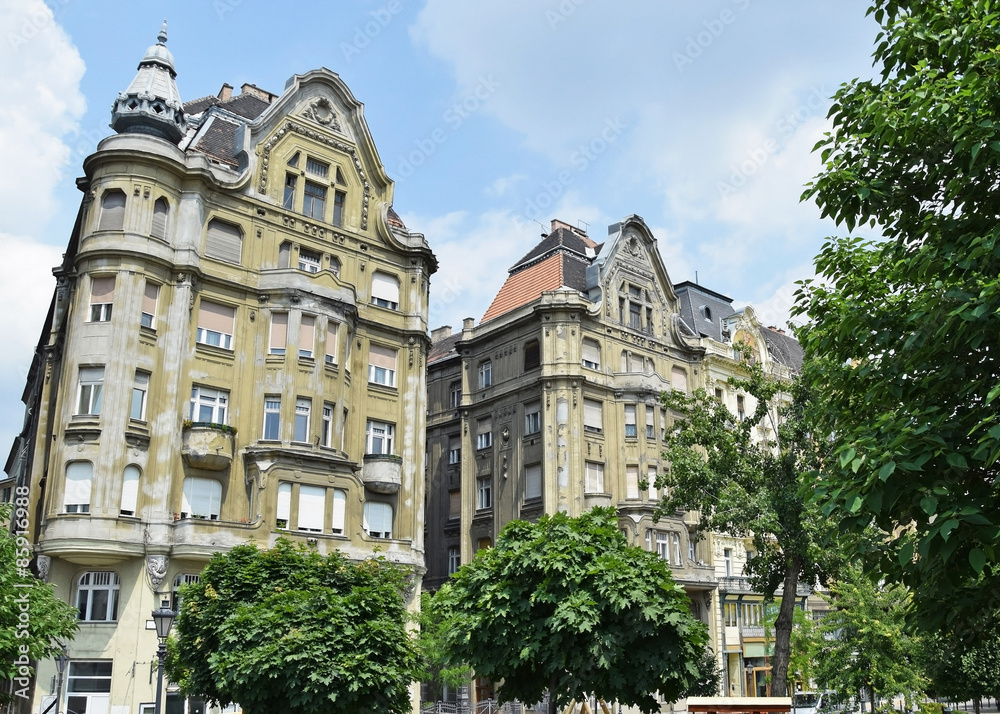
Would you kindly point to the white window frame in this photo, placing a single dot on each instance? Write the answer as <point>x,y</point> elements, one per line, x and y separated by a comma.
<point>455,394</point>
<point>314,200</point>
<point>382,363</point>
<point>532,418</point>
<point>326,435</point>
<point>630,424</point>
<point>650,423</point>
<point>377,521</point>
<point>484,433</point>
<point>532,481</point>
<point>381,435</point>
<point>385,290</point>
<point>631,481</point>
<point>454,450</point>
<point>593,416</point>
<point>277,338</point>
<point>96,693</point>
<point>87,587</point>
<point>591,348</point>
<point>484,492</point>
<point>201,497</point>
<point>727,559</point>
<point>91,386</point>
<point>651,485</point>
<point>216,400</point>
<point>212,337</point>
<point>312,509</point>
<point>137,408</point>
<point>303,410</point>
<point>101,311</point>
<point>150,295</point>
<point>307,336</point>
<point>594,474</point>
<point>485,374</point>
<point>310,261</point>
<point>271,430</point>
<point>454,560</point>
<point>78,488</point>
<point>130,490</point>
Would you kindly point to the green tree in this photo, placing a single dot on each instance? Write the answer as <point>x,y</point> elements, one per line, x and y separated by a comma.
<point>904,334</point>
<point>438,671</point>
<point>745,477</point>
<point>802,646</point>
<point>863,642</point>
<point>34,623</point>
<point>961,671</point>
<point>565,604</point>
<point>287,629</point>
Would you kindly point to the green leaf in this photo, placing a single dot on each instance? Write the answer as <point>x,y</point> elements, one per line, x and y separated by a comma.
<point>906,554</point>
<point>853,503</point>
<point>929,505</point>
<point>846,457</point>
<point>957,460</point>
<point>977,559</point>
<point>886,471</point>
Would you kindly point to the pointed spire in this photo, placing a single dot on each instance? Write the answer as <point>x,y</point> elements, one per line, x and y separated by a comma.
<point>152,104</point>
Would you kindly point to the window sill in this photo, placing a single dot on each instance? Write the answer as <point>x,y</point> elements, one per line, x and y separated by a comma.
<point>375,386</point>
<point>214,350</point>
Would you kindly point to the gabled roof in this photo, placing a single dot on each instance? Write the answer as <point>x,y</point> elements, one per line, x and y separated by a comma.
<point>443,349</point>
<point>245,105</point>
<point>525,285</point>
<point>218,140</point>
<point>561,239</point>
<point>785,349</point>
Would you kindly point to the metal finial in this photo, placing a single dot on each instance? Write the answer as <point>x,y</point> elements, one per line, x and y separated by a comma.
<point>162,37</point>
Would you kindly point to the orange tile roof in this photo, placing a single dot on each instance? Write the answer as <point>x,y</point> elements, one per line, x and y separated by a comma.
<point>526,285</point>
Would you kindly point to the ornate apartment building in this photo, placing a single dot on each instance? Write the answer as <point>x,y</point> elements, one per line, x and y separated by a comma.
<point>235,351</point>
<point>552,403</point>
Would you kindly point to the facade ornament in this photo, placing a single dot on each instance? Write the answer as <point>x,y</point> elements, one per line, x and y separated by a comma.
<point>156,567</point>
<point>321,111</point>
<point>43,563</point>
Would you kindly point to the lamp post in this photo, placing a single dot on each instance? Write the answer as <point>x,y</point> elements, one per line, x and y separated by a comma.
<point>162,619</point>
<point>750,682</point>
<point>61,659</point>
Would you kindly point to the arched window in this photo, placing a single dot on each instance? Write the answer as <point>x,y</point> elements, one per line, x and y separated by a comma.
<point>97,596</point>
<point>130,490</point>
<point>224,241</point>
<point>160,210</point>
<point>79,478</point>
<point>112,211</point>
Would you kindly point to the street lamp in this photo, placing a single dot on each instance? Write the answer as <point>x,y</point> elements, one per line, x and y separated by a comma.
<point>750,682</point>
<point>162,619</point>
<point>61,659</point>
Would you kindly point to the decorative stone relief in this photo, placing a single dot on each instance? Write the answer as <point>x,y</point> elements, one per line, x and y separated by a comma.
<point>321,111</point>
<point>43,563</point>
<point>156,567</point>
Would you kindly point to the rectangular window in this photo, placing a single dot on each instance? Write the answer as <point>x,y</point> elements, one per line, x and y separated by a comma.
<point>592,417</point>
<point>79,477</point>
<point>272,418</point>
<point>741,407</point>
<point>484,492</point>
<point>532,355</point>
<point>208,405</point>
<point>102,295</point>
<point>663,545</point>
<point>455,395</point>
<point>130,490</point>
<point>314,201</point>
<point>454,450</point>
<point>331,342</point>
<point>378,519</point>
<point>326,437</point>
<point>339,199</point>
<point>385,290</point>
<point>532,418</point>
<point>149,296</point>
<point>485,374</point>
<point>91,386</point>
<point>307,335</point>
<point>630,432</point>
<point>283,511</point>
<point>533,481</point>
<point>650,425</point>
<point>317,168</point>
<point>288,201</point>
<point>591,354</point>
<point>691,549</point>
<point>484,433</point>
<point>382,365</point>
<point>201,498</point>
<point>653,496</point>
<point>88,686</point>
<point>454,560</point>
<point>729,614</point>
<point>139,389</point>
<point>455,504</point>
<point>215,325</point>
<point>309,261</point>
<point>727,559</point>
<point>312,508</point>
<point>224,241</point>
<point>675,549</point>
<point>97,596</point>
<point>279,333</point>
<point>678,379</point>
<point>379,437</point>
<point>635,316</point>
<point>339,519</point>
<point>631,482</point>
<point>303,407</point>
<point>595,477</point>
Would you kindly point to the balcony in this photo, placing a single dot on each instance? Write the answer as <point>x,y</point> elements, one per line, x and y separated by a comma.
<point>207,446</point>
<point>382,473</point>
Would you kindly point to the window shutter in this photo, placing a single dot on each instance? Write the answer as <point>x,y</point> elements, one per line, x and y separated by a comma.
<point>279,331</point>
<point>283,512</point>
<point>307,335</point>
<point>485,426</point>
<point>312,507</point>
<point>112,211</point>
<point>378,518</point>
<point>382,357</point>
<point>591,352</point>
<point>533,481</point>
<point>102,290</point>
<point>130,490</point>
<point>631,482</point>
<point>385,287</point>
<point>678,379</point>
<point>339,510</point>
<point>202,496</point>
<point>79,475</point>
<point>331,342</point>
<point>215,317</point>
<point>159,228</point>
<point>149,295</point>
<point>224,241</point>
<point>592,414</point>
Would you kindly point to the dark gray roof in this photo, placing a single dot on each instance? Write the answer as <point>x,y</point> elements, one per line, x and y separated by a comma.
<point>245,105</point>
<point>785,349</point>
<point>703,310</point>
<point>443,349</point>
<point>219,141</point>
<point>559,239</point>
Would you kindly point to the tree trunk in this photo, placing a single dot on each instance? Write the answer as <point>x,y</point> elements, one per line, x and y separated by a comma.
<point>871,698</point>
<point>552,694</point>
<point>783,631</point>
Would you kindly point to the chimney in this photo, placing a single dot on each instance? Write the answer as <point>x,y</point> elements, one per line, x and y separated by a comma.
<point>557,224</point>
<point>468,323</point>
<point>226,93</point>
<point>254,91</point>
<point>440,333</point>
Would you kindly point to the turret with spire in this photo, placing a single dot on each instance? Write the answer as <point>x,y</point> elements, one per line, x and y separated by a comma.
<point>152,104</point>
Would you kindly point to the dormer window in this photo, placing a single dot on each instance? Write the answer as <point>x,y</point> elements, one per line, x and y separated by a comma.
<point>317,168</point>
<point>309,261</point>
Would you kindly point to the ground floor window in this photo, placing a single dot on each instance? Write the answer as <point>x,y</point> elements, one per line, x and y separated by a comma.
<point>88,688</point>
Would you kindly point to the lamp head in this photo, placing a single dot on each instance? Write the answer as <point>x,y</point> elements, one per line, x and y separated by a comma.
<point>163,619</point>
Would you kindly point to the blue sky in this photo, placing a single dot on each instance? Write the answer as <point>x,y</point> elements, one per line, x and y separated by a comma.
<point>492,116</point>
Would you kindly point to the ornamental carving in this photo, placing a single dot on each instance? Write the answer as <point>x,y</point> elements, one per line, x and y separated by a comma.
<point>156,567</point>
<point>321,111</point>
<point>293,127</point>
<point>43,563</point>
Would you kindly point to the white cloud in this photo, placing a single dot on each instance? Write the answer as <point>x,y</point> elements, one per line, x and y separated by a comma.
<point>503,184</point>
